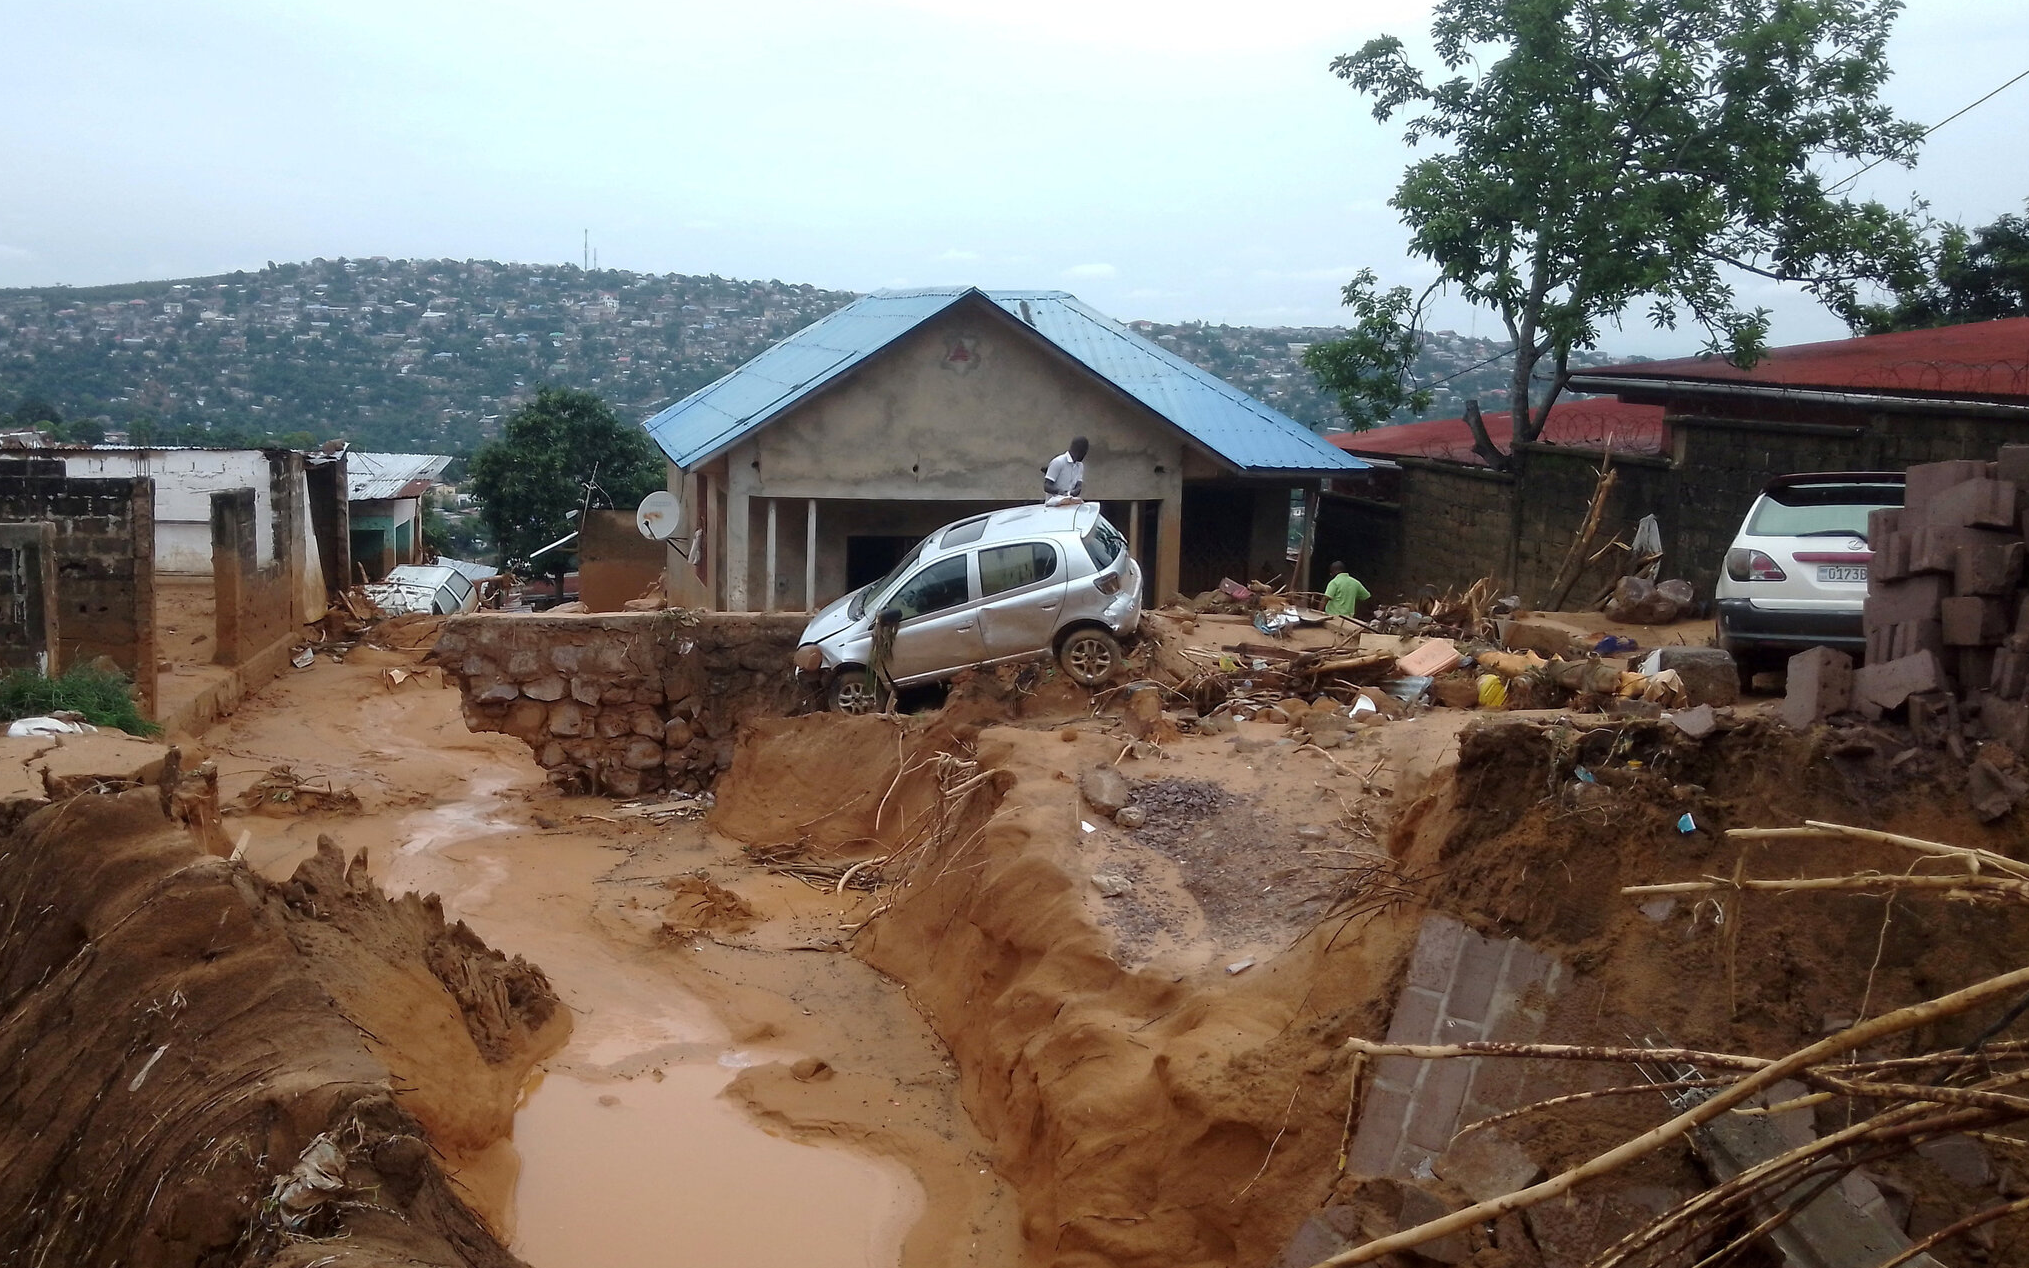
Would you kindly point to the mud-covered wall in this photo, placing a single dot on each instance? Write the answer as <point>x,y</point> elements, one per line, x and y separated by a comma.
<point>624,703</point>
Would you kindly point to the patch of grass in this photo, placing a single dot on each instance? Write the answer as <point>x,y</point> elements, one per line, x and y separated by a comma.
<point>102,697</point>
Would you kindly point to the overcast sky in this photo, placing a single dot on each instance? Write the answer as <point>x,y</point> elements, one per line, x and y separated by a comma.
<point>1166,159</point>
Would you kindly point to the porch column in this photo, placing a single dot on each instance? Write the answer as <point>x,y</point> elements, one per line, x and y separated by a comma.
<point>810,556</point>
<point>1134,531</point>
<point>1169,547</point>
<point>768,603</point>
<point>738,533</point>
<point>713,523</point>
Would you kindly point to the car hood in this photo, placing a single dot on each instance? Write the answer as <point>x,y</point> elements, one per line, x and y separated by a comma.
<point>832,619</point>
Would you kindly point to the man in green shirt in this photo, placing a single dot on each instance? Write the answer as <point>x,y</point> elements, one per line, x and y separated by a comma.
<point>1342,594</point>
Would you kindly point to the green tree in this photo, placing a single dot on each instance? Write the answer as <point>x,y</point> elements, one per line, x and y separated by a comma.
<point>1972,276</point>
<point>1603,153</point>
<point>1369,371</point>
<point>563,447</point>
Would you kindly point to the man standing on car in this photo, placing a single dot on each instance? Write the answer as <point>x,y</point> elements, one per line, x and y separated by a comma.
<point>1065,476</point>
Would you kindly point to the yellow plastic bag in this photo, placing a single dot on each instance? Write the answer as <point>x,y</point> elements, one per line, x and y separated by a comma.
<point>1493,693</point>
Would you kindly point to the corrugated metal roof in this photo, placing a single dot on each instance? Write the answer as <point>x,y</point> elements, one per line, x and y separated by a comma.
<point>372,477</point>
<point>1590,421</point>
<point>1983,359</point>
<point>1227,422</point>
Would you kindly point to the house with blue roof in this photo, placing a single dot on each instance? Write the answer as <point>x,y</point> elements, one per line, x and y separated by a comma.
<point>812,468</point>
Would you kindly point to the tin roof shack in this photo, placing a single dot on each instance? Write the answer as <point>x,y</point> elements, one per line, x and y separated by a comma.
<point>812,468</point>
<point>385,492</point>
<point>1694,440</point>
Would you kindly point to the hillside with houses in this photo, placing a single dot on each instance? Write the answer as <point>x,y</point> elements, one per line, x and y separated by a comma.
<point>429,355</point>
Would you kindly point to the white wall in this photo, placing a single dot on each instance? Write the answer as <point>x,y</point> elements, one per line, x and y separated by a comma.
<point>185,479</point>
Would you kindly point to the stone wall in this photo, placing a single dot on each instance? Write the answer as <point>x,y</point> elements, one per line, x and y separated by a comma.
<point>624,703</point>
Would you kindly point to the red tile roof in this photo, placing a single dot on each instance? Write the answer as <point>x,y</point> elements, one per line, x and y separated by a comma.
<point>1593,422</point>
<point>1985,359</point>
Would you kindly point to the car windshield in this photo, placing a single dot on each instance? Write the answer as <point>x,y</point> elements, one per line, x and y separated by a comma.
<point>1821,510</point>
<point>858,607</point>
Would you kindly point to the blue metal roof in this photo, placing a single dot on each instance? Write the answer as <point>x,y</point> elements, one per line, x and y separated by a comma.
<point>1231,425</point>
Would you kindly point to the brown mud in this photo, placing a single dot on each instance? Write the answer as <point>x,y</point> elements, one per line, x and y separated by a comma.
<point>1184,1098</point>
<point>179,1033</point>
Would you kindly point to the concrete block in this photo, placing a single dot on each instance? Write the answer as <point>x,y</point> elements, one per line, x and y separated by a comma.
<point>1912,637</point>
<point>1711,676</point>
<point>2005,720</point>
<point>1889,685</point>
<point>1437,942</point>
<point>1972,666</point>
<point>1924,481</point>
<point>1935,549</point>
<point>2010,675</point>
<point>1987,568</point>
<point>1433,1118</point>
<point>1978,503</point>
<point>1472,986</point>
<point>2012,463</point>
<point>1911,599</point>
<point>1882,523</point>
<point>1881,644</point>
<point>1546,640</point>
<point>1891,559</point>
<point>1696,723</point>
<point>1383,1112</point>
<point>1820,684</point>
<point>1973,621</point>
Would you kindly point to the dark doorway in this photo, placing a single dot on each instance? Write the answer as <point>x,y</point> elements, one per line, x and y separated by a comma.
<point>870,558</point>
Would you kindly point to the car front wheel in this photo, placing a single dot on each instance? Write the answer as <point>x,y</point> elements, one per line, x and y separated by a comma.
<point>1089,656</point>
<point>852,691</point>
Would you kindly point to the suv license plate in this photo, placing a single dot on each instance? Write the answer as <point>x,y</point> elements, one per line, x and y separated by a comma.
<point>1842,572</point>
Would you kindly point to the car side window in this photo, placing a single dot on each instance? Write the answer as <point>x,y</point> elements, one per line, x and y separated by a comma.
<point>1004,568</point>
<point>940,586</point>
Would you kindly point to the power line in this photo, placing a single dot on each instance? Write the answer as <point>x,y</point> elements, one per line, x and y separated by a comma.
<point>1932,128</point>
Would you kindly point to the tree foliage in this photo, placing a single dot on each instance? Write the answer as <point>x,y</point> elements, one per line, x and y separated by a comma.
<point>1369,372</point>
<point>1975,275</point>
<point>550,449</point>
<point>1599,154</point>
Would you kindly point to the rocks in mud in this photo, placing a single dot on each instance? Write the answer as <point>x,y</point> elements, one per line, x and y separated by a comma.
<point>1106,789</point>
<point>623,704</point>
<point>1130,817</point>
<point>1111,884</point>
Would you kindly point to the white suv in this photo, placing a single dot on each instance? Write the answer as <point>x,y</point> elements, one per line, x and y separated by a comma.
<point>1796,576</point>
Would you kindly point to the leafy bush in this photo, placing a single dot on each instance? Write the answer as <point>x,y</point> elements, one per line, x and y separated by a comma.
<point>101,696</point>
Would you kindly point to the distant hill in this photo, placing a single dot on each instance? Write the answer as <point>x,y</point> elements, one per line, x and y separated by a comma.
<point>428,355</point>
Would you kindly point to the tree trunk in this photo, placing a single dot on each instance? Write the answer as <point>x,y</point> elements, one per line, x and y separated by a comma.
<point>1482,443</point>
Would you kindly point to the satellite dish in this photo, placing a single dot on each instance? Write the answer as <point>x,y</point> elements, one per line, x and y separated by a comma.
<point>660,516</point>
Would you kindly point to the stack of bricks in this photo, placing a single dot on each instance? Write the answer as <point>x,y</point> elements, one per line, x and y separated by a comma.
<point>1947,616</point>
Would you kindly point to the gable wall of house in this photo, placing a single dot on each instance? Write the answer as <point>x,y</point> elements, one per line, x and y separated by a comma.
<point>887,432</point>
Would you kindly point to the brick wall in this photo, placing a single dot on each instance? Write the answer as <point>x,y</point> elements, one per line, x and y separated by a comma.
<point>257,606</point>
<point>624,703</point>
<point>105,562</point>
<point>1453,523</point>
<point>27,596</point>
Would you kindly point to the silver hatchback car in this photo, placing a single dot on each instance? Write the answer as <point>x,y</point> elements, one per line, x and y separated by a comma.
<point>1020,584</point>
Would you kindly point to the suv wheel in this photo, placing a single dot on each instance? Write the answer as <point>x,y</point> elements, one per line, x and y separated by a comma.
<point>852,691</point>
<point>1089,656</point>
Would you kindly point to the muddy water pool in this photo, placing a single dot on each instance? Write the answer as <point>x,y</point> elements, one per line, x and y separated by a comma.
<point>627,1154</point>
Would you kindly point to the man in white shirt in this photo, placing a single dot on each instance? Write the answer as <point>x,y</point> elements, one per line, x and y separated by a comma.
<point>1065,476</point>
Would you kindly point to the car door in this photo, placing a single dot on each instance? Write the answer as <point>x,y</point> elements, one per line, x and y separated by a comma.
<point>939,632</point>
<point>1021,591</point>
